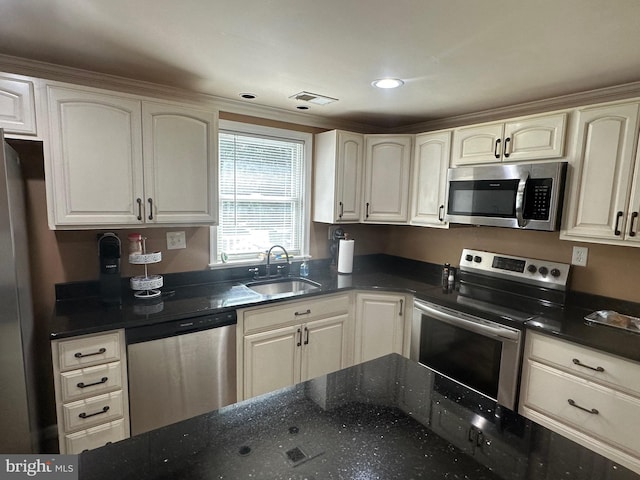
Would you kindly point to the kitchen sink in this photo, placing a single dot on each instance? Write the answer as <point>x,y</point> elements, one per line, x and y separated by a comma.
<point>283,286</point>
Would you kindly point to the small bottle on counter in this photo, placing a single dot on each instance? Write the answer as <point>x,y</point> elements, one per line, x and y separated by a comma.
<point>445,277</point>
<point>304,267</point>
<point>451,280</point>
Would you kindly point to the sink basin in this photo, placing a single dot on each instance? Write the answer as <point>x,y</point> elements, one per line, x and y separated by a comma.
<point>283,286</point>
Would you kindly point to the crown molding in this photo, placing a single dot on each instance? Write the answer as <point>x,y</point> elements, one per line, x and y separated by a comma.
<point>49,71</point>
<point>579,99</point>
<point>59,73</point>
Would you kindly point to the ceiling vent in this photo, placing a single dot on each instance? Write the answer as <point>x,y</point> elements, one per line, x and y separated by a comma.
<point>313,98</point>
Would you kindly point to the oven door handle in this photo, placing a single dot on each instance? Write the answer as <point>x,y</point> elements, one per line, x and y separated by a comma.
<point>522,185</point>
<point>468,322</point>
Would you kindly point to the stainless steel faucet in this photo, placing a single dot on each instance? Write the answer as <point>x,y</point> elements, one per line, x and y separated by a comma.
<point>269,257</point>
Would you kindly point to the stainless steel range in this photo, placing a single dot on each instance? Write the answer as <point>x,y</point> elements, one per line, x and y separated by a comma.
<point>474,334</point>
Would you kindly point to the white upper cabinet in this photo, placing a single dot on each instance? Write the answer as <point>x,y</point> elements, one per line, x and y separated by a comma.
<point>97,174</point>
<point>604,191</point>
<point>526,138</point>
<point>17,105</point>
<point>95,162</point>
<point>338,164</point>
<point>179,172</point>
<point>429,175</point>
<point>386,178</point>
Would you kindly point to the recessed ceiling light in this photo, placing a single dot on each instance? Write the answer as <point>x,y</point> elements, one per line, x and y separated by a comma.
<point>387,83</point>
<point>248,96</point>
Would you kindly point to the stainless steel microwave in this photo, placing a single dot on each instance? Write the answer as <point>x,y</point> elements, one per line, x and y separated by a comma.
<point>525,196</point>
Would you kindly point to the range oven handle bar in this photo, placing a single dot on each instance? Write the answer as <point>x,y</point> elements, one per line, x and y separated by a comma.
<point>468,322</point>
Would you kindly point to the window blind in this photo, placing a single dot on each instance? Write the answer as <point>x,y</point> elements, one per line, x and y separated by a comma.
<point>261,194</point>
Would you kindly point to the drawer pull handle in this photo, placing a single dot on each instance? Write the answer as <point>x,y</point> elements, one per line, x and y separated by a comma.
<point>592,411</point>
<point>82,355</point>
<point>99,382</point>
<point>105,409</point>
<point>580,364</point>
<point>307,312</point>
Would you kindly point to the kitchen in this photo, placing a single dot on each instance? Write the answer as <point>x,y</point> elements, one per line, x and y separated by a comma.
<point>65,256</point>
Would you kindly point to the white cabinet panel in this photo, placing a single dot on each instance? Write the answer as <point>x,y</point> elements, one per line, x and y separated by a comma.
<point>602,175</point>
<point>387,171</point>
<point>429,174</point>
<point>17,105</point>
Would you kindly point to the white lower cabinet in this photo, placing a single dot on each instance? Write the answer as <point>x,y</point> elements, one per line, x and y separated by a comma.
<point>588,396</point>
<point>90,380</point>
<point>382,325</point>
<point>292,342</point>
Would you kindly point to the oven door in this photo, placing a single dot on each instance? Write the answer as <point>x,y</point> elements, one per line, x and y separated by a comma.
<point>480,354</point>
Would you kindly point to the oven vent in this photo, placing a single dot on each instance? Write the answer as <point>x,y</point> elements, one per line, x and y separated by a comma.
<point>313,98</point>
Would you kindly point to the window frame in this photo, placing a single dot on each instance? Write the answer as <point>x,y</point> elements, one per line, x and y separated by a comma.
<point>277,133</point>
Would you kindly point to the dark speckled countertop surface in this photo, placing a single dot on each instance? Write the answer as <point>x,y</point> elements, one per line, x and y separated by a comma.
<point>79,311</point>
<point>389,418</point>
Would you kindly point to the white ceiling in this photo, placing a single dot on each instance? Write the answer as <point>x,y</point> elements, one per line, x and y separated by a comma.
<point>456,56</point>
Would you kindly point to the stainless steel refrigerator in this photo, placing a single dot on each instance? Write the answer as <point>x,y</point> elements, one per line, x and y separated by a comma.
<point>17,388</point>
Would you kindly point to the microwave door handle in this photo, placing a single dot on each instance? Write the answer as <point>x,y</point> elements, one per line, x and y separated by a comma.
<point>522,184</point>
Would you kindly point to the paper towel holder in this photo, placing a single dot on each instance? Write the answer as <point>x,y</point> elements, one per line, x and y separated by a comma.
<point>338,234</point>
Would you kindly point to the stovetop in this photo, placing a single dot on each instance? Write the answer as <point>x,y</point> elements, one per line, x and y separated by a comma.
<point>506,288</point>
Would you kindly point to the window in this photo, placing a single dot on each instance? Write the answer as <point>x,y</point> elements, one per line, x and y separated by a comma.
<point>264,177</point>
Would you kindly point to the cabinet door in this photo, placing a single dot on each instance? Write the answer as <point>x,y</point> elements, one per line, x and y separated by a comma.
<point>477,144</point>
<point>349,176</point>
<point>324,346</point>
<point>601,173</point>
<point>380,325</point>
<point>95,158</point>
<point>17,106</point>
<point>430,164</point>
<point>271,360</point>
<point>387,170</point>
<point>534,138</point>
<point>180,164</point>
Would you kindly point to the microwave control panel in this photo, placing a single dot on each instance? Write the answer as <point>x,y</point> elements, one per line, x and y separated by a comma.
<point>537,203</point>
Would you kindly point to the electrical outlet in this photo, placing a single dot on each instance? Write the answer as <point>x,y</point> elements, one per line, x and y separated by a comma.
<point>176,240</point>
<point>579,256</point>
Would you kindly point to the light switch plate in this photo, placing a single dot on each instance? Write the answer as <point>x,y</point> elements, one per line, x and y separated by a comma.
<point>176,240</point>
<point>579,256</point>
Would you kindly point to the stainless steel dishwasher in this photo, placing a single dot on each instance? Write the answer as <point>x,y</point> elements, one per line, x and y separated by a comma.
<point>180,369</point>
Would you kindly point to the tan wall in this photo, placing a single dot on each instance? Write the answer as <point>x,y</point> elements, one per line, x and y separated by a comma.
<point>610,271</point>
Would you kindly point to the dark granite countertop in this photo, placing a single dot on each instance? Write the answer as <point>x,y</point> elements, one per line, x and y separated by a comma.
<point>205,293</point>
<point>389,418</point>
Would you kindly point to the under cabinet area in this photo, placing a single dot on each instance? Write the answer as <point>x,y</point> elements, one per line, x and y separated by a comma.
<point>526,138</point>
<point>291,342</point>
<point>91,392</point>
<point>121,160</point>
<point>583,394</point>
<point>382,325</point>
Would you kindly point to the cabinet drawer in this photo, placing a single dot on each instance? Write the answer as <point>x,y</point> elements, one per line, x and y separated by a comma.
<point>91,350</point>
<point>92,411</point>
<point>89,381</point>
<point>95,437</point>
<point>295,312</point>
<point>551,391</point>
<point>597,366</point>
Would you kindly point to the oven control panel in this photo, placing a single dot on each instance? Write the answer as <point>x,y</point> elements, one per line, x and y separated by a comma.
<point>551,274</point>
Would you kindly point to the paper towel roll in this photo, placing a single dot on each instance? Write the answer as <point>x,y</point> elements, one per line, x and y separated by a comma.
<point>345,256</point>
